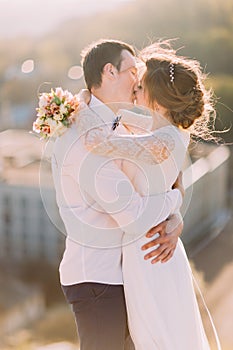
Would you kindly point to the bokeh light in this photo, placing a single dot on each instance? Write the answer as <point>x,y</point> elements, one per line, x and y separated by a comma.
<point>27,66</point>
<point>75,72</point>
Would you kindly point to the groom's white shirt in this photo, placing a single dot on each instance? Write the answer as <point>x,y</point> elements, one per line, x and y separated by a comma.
<point>91,192</point>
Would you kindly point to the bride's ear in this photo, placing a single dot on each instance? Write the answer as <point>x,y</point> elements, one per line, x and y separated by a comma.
<point>110,71</point>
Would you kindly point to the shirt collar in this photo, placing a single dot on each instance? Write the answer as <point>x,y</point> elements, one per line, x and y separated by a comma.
<point>106,114</point>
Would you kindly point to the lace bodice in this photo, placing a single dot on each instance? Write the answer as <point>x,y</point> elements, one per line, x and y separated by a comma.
<point>154,158</point>
<point>150,148</point>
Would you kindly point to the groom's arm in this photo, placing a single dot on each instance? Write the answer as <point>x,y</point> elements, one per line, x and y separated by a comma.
<point>165,244</point>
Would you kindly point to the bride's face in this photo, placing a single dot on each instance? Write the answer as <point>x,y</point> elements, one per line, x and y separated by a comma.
<point>141,95</point>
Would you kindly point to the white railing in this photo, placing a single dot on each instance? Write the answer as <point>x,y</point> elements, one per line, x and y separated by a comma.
<point>205,207</point>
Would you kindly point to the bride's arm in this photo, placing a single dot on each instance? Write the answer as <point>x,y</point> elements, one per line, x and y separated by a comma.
<point>151,148</point>
<point>100,139</point>
<point>135,121</point>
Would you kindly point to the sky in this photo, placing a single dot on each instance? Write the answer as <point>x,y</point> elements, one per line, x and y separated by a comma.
<point>36,17</point>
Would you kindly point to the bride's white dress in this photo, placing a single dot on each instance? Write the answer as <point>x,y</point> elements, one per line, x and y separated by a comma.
<point>163,312</point>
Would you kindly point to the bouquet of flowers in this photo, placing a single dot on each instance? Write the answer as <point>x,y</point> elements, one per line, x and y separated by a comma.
<point>56,112</point>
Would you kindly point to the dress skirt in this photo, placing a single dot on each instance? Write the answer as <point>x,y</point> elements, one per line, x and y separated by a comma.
<point>163,312</point>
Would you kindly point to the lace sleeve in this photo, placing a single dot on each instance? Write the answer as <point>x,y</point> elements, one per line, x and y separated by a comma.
<point>138,123</point>
<point>151,148</point>
<point>99,138</point>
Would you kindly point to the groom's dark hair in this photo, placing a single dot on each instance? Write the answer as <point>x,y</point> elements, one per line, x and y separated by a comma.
<point>97,55</point>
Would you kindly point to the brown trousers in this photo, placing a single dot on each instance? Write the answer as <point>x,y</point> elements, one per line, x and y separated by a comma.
<point>100,315</point>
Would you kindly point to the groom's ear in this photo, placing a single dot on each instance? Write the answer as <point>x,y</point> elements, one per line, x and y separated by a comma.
<point>110,71</point>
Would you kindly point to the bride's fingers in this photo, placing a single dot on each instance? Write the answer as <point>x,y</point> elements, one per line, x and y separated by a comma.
<point>84,95</point>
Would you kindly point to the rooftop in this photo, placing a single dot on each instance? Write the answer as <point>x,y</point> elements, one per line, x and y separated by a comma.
<point>20,159</point>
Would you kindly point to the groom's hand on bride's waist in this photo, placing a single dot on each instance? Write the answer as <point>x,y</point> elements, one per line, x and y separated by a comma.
<point>165,244</point>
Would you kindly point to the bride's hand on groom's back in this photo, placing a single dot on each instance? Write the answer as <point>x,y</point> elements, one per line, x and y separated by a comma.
<point>84,96</point>
<point>165,244</point>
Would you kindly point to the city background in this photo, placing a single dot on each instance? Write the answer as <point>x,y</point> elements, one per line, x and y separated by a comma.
<point>40,45</point>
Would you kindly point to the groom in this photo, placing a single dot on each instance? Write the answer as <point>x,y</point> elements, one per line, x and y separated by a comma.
<point>90,271</point>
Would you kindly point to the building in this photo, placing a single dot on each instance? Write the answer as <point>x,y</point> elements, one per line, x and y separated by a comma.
<point>29,218</point>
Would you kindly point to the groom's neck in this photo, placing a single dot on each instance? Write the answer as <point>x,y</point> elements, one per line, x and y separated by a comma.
<point>102,94</point>
<point>105,97</point>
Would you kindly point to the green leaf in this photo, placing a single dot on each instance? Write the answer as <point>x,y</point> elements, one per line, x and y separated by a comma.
<point>56,100</point>
<point>65,122</point>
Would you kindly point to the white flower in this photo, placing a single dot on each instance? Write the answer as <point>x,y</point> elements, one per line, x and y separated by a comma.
<point>52,123</point>
<point>41,112</point>
<point>39,121</point>
<point>63,109</point>
<point>36,127</point>
<point>43,101</point>
<point>58,116</point>
<point>68,95</point>
<point>59,92</point>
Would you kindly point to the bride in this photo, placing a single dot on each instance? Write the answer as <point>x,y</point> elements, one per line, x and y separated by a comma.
<point>167,317</point>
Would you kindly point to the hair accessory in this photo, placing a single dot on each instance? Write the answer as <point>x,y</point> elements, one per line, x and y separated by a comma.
<point>172,73</point>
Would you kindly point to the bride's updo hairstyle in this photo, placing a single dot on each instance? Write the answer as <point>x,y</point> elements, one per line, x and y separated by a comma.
<point>177,84</point>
